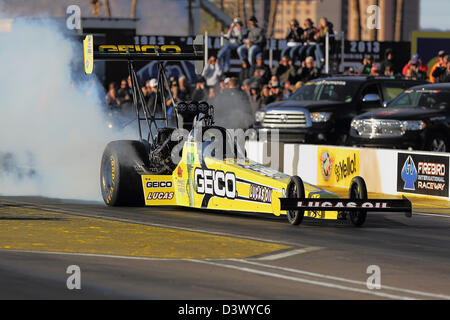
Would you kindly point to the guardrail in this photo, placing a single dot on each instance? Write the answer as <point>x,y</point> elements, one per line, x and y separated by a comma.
<point>385,171</point>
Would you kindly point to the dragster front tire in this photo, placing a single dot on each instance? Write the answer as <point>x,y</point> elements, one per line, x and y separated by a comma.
<point>120,183</point>
<point>358,190</point>
<point>295,189</point>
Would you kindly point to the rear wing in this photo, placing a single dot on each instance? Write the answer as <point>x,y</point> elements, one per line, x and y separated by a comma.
<point>377,205</point>
<point>136,52</point>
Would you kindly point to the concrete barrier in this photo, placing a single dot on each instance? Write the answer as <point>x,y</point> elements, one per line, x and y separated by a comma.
<point>386,171</point>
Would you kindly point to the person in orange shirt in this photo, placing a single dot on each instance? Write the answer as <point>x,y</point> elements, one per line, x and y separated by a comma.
<point>441,63</point>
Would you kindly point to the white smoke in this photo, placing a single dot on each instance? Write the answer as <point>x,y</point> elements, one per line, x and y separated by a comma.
<point>52,130</point>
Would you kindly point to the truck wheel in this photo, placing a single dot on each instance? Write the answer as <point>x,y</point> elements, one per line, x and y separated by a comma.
<point>120,183</point>
<point>438,143</point>
<point>358,190</point>
<point>295,189</point>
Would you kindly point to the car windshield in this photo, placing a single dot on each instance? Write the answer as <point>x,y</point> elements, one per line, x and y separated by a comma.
<point>326,90</point>
<point>431,99</point>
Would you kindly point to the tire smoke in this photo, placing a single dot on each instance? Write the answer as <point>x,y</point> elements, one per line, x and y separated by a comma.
<point>52,124</point>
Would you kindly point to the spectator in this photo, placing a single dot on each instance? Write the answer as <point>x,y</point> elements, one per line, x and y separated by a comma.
<point>367,65</point>
<point>265,96</point>
<point>174,90</point>
<point>111,99</point>
<point>298,85</point>
<point>223,83</point>
<point>130,87</point>
<point>211,94</point>
<point>255,98</point>
<point>122,93</point>
<point>212,72</point>
<point>309,43</point>
<point>275,93</point>
<point>285,70</point>
<point>320,36</point>
<point>294,40</point>
<point>234,36</point>
<point>184,91</point>
<point>287,89</point>
<point>148,91</point>
<point>308,71</point>
<point>260,71</point>
<point>154,102</point>
<point>375,71</point>
<point>232,108</point>
<point>200,93</point>
<point>441,63</point>
<point>245,73</point>
<point>442,74</point>
<point>254,42</point>
<point>388,63</point>
<point>246,86</point>
<point>419,69</point>
<point>415,73</point>
<point>388,72</point>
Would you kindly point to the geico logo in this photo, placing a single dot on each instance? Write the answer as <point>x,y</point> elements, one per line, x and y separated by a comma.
<point>159,184</point>
<point>160,196</point>
<point>146,49</point>
<point>216,183</point>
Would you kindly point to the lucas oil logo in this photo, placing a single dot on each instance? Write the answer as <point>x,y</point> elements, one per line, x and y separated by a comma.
<point>260,193</point>
<point>215,183</point>
<point>409,174</point>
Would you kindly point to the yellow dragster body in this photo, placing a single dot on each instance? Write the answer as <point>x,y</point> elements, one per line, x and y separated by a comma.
<point>224,184</point>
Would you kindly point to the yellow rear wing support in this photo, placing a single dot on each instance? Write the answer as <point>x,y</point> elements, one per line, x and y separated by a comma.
<point>88,54</point>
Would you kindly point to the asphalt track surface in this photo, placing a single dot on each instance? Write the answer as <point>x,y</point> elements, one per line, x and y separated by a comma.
<point>178,253</point>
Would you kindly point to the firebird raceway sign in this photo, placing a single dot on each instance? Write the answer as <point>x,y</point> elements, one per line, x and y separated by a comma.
<point>423,174</point>
<point>337,166</point>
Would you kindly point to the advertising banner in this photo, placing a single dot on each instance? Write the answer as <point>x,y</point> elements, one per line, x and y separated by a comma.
<point>423,174</point>
<point>336,166</point>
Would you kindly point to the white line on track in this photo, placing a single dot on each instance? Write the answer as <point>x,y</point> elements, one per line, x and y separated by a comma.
<point>289,253</point>
<point>430,214</point>
<point>308,281</point>
<point>319,275</point>
<point>95,255</point>
<point>220,263</point>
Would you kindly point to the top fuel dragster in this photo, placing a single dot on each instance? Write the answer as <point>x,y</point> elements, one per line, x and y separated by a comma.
<point>183,159</point>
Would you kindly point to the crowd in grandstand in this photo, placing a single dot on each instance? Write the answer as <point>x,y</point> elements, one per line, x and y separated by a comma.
<point>257,84</point>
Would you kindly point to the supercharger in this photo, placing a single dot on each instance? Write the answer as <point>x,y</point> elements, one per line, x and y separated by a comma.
<point>215,183</point>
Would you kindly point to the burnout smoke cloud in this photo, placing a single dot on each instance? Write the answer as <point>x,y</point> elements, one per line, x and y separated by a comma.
<point>52,127</point>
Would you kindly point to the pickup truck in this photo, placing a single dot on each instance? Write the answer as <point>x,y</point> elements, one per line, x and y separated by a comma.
<point>321,110</point>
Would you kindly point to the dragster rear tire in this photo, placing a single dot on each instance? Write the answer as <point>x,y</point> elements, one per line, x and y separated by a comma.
<point>120,183</point>
<point>295,189</point>
<point>358,190</point>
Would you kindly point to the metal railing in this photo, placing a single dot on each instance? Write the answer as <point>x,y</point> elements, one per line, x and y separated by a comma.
<point>339,36</point>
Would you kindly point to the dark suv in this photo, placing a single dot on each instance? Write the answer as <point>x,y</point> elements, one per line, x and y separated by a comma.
<point>419,119</point>
<point>322,109</point>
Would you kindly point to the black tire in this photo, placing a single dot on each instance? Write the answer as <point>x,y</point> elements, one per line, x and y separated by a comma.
<point>295,189</point>
<point>358,190</point>
<point>120,183</point>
